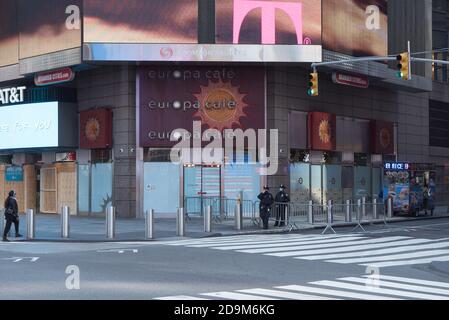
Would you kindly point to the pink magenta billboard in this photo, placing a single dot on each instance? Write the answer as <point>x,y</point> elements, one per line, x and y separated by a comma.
<point>221,98</point>
<point>289,22</point>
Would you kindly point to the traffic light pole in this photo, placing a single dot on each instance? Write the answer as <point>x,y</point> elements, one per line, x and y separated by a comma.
<point>364,59</point>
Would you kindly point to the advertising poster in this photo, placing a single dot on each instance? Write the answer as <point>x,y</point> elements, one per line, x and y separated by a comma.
<point>9,36</point>
<point>219,98</point>
<point>397,187</point>
<point>356,27</point>
<point>291,22</point>
<point>141,21</point>
<point>43,27</point>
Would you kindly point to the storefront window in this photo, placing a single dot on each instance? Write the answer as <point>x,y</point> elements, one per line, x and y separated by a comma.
<point>317,184</point>
<point>362,183</point>
<point>332,183</point>
<point>300,182</point>
<point>242,178</point>
<point>101,187</point>
<point>377,182</point>
<point>83,188</point>
<point>161,187</point>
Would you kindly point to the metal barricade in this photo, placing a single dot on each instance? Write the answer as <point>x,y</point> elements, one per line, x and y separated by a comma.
<point>330,220</point>
<point>296,214</point>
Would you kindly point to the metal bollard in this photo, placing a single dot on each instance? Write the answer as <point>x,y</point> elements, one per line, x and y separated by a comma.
<point>330,219</point>
<point>110,222</point>
<point>287,218</point>
<point>180,225</point>
<point>238,216</point>
<point>30,220</point>
<point>375,209</point>
<point>363,207</point>
<point>149,224</point>
<point>348,211</point>
<point>310,214</point>
<point>390,208</point>
<point>65,222</point>
<point>208,219</point>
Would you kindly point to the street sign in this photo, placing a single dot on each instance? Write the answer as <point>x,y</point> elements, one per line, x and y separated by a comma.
<point>350,80</point>
<point>14,174</point>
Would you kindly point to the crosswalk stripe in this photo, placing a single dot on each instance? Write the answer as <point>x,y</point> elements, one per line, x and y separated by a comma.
<point>281,242</point>
<point>431,244</point>
<point>395,285</point>
<point>347,249</point>
<point>236,296</point>
<point>399,293</point>
<point>285,295</point>
<point>337,293</point>
<point>268,248</point>
<point>246,238</point>
<point>180,298</point>
<point>415,281</point>
<point>404,256</point>
<point>406,262</point>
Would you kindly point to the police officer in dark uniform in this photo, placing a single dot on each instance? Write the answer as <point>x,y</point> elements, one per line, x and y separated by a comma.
<point>266,201</point>
<point>282,199</point>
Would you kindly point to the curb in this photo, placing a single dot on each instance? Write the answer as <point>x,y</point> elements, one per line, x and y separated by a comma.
<point>231,234</point>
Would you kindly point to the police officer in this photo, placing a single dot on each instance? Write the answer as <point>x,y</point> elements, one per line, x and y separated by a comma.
<point>282,198</point>
<point>266,201</point>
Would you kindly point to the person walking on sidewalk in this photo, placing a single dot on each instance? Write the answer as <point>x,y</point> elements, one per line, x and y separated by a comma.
<point>266,201</point>
<point>282,199</point>
<point>11,215</point>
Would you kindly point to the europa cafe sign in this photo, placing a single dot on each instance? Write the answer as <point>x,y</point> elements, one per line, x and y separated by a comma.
<point>12,95</point>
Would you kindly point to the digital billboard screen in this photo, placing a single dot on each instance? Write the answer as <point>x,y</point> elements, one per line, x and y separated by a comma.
<point>9,38</point>
<point>287,22</point>
<point>33,125</point>
<point>45,27</point>
<point>141,21</point>
<point>356,27</point>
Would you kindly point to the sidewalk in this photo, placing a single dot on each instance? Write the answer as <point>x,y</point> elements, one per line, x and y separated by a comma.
<point>90,229</point>
<point>48,228</point>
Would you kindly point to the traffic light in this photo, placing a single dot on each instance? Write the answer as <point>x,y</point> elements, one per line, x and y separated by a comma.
<point>403,65</point>
<point>313,84</point>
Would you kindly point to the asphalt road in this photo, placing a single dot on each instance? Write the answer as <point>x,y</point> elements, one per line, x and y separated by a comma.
<point>404,257</point>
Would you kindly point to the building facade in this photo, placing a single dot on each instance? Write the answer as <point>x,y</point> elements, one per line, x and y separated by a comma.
<point>122,83</point>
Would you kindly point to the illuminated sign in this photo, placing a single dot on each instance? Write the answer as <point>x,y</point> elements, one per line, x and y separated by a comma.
<point>350,80</point>
<point>33,125</point>
<point>12,95</point>
<point>54,77</point>
<point>243,7</point>
<point>396,166</point>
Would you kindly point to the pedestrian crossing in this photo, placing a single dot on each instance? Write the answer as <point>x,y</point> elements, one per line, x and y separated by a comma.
<point>359,249</point>
<point>349,288</point>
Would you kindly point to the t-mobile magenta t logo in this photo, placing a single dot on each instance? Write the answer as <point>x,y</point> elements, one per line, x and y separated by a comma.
<point>243,7</point>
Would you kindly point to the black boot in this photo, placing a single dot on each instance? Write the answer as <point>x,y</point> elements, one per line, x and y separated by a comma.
<point>5,239</point>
